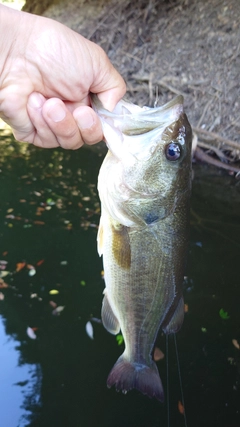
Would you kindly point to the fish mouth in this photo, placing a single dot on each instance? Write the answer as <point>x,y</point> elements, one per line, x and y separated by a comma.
<point>133,120</point>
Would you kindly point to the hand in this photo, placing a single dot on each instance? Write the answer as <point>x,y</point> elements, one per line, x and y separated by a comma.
<point>46,74</point>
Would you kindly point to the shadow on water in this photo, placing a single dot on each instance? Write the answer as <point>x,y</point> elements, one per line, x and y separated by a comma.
<point>49,214</point>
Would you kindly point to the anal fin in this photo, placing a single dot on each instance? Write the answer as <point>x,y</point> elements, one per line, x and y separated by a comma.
<point>110,321</point>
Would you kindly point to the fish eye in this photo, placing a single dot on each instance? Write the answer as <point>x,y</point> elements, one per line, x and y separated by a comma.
<point>172,151</point>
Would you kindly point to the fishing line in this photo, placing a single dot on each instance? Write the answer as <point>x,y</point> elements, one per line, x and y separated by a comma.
<point>180,380</point>
<point>168,409</point>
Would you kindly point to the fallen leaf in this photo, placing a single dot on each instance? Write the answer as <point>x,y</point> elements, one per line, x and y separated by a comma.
<point>4,273</point>
<point>31,334</point>
<point>53,292</point>
<point>34,295</point>
<point>89,330</point>
<point>223,314</point>
<point>235,343</point>
<point>39,222</point>
<point>5,253</point>
<point>96,320</point>
<point>52,304</point>
<point>181,407</point>
<point>83,283</point>
<point>3,264</point>
<point>158,354</point>
<point>20,266</point>
<point>185,308</point>
<point>120,339</point>
<point>3,284</point>
<point>40,262</point>
<point>58,310</point>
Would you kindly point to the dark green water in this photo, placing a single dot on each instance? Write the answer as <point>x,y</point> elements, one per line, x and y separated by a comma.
<point>49,211</point>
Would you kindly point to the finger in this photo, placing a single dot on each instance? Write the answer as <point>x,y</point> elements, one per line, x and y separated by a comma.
<point>89,124</point>
<point>14,112</point>
<point>42,135</point>
<point>62,124</point>
<point>107,83</point>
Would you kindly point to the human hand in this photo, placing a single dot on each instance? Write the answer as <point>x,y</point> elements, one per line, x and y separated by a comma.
<point>46,74</point>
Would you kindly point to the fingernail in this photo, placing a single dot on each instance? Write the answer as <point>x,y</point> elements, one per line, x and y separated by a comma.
<point>85,122</point>
<point>56,113</point>
<point>36,100</point>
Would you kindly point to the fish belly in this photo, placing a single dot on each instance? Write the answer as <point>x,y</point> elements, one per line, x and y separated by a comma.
<point>143,275</point>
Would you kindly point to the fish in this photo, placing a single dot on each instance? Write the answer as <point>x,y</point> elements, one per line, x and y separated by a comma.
<point>144,186</point>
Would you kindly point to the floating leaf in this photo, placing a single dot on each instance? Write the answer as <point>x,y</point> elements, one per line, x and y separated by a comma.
<point>96,320</point>
<point>120,339</point>
<point>40,262</point>
<point>158,354</point>
<point>185,308</point>
<point>4,273</point>
<point>31,334</point>
<point>53,304</point>
<point>50,202</point>
<point>2,296</point>
<point>3,264</point>
<point>20,266</point>
<point>223,314</point>
<point>181,407</point>
<point>83,283</point>
<point>3,284</point>
<point>53,292</point>
<point>58,310</point>
<point>235,343</point>
<point>204,329</point>
<point>63,263</point>
<point>89,329</point>
<point>33,295</point>
<point>32,272</point>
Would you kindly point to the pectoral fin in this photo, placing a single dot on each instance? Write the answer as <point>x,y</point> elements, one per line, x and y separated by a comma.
<point>110,321</point>
<point>176,320</point>
<point>100,239</point>
<point>121,245</point>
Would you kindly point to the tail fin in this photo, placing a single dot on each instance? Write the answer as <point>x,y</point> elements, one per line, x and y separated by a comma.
<point>126,376</point>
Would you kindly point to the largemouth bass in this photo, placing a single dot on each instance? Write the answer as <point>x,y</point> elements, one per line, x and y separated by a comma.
<point>144,186</point>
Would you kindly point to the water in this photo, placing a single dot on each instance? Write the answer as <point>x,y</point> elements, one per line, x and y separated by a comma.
<point>49,210</point>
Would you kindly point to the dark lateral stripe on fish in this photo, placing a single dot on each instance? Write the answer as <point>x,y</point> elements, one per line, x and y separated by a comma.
<point>127,376</point>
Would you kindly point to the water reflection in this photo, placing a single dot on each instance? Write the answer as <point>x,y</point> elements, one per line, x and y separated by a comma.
<point>49,213</point>
<point>20,383</point>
